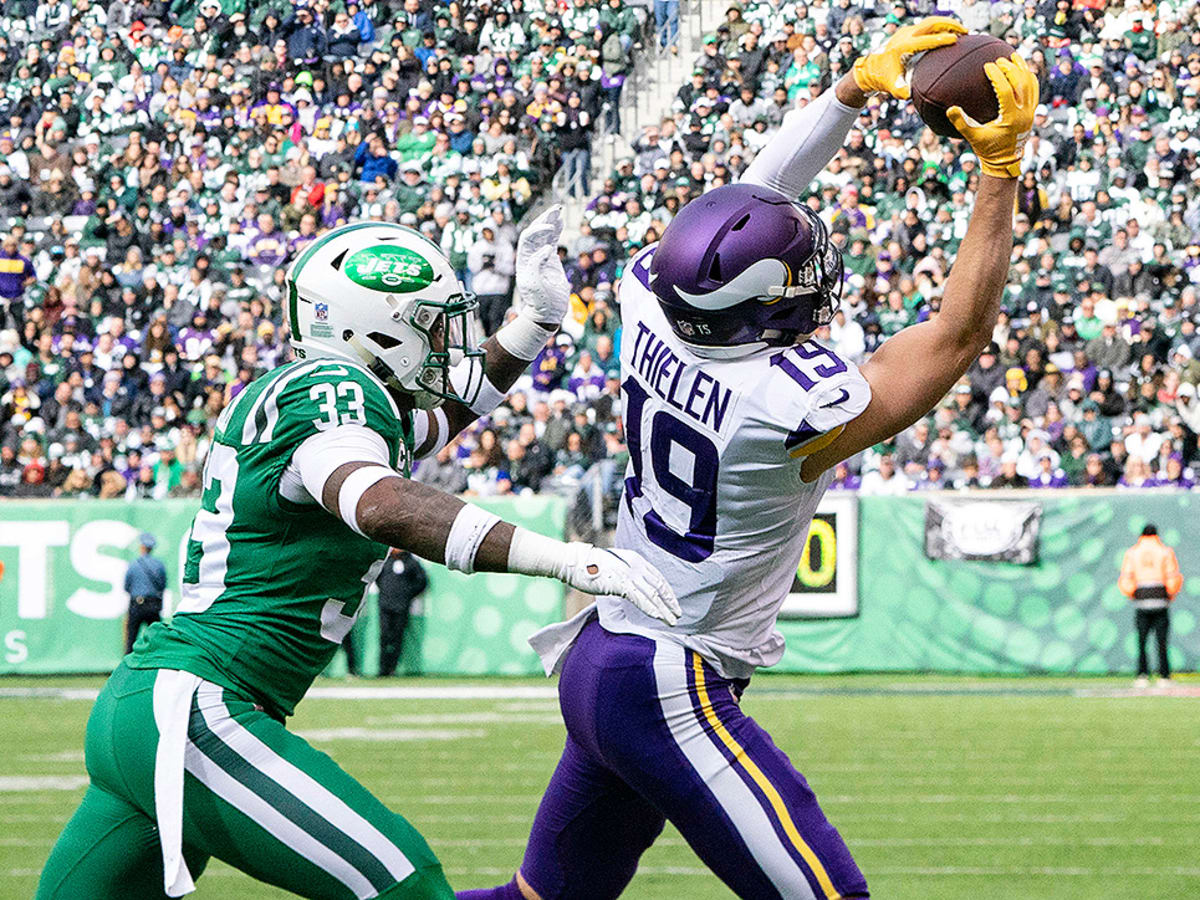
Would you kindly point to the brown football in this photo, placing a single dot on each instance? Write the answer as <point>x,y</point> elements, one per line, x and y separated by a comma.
<point>954,76</point>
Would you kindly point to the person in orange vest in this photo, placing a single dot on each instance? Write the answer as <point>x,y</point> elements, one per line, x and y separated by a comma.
<point>1150,578</point>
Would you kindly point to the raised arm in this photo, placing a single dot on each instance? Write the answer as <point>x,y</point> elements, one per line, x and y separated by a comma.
<point>807,140</point>
<point>545,297</point>
<point>913,370</point>
<point>810,137</point>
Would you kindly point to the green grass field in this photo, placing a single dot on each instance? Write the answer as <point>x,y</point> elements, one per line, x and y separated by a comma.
<point>943,787</point>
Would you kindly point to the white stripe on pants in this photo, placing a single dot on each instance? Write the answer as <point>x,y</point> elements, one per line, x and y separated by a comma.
<point>299,783</point>
<point>740,804</point>
<point>274,822</point>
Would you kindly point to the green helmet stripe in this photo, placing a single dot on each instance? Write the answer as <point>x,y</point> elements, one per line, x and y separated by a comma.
<point>293,305</point>
<point>321,242</point>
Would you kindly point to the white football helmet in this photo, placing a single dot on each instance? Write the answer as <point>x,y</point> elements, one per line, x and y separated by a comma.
<point>381,294</point>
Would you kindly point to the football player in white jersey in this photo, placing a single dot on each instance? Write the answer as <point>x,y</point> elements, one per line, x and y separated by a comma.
<point>734,418</point>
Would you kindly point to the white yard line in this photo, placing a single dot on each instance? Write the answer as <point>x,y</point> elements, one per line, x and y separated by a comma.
<point>48,693</point>
<point>31,783</point>
<point>26,842</point>
<point>390,735</point>
<point>464,800</point>
<point>71,756</point>
<point>548,692</point>
<point>1086,871</point>
<point>436,691</point>
<point>927,799</point>
<point>466,718</point>
<point>428,691</point>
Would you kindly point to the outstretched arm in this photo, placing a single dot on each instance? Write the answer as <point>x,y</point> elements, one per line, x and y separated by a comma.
<point>915,368</point>
<point>346,469</point>
<point>810,137</point>
<point>432,524</point>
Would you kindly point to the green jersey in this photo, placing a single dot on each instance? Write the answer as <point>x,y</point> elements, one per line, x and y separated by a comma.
<point>271,586</point>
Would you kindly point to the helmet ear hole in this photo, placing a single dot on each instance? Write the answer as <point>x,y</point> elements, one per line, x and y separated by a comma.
<point>386,341</point>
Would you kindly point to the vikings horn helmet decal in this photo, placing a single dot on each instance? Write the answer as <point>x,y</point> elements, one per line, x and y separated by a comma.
<point>742,268</point>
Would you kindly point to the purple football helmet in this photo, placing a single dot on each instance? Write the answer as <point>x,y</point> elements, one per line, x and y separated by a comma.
<point>743,267</point>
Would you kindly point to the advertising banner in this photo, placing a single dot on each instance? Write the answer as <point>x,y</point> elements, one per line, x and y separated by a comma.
<point>1063,613</point>
<point>866,596</point>
<point>62,602</point>
<point>983,529</point>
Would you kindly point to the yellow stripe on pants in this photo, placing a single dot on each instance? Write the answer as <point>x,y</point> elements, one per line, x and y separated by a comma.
<point>743,759</point>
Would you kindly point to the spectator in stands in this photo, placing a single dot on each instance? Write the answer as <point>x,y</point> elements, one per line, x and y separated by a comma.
<point>207,149</point>
<point>666,19</point>
<point>16,275</point>
<point>492,261</point>
<point>885,480</point>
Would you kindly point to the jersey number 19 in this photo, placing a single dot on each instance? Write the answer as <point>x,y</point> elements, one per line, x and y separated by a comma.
<point>697,492</point>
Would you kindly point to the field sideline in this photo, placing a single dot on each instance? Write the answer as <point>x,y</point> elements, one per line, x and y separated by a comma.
<point>944,787</point>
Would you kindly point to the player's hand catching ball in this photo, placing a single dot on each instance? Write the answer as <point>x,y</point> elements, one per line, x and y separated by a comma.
<point>542,285</point>
<point>885,70</point>
<point>1000,143</point>
<point>623,573</point>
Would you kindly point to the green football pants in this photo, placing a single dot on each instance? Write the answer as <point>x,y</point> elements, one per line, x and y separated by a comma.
<point>255,795</point>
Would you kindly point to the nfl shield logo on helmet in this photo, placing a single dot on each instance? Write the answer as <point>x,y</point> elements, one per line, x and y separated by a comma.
<point>320,327</point>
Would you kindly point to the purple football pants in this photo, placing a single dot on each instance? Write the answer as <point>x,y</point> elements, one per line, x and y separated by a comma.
<point>653,733</point>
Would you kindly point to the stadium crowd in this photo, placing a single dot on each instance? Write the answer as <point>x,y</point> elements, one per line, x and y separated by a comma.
<point>1091,378</point>
<point>163,161</point>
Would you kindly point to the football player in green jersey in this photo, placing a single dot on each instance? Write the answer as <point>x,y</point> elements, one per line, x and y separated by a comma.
<point>304,490</point>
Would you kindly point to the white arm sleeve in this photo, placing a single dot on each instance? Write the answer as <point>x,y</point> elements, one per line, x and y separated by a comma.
<point>320,455</point>
<point>803,146</point>
<point>422,425</point>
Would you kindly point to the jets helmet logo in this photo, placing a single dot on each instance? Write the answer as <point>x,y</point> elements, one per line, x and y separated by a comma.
<point>390,269</point>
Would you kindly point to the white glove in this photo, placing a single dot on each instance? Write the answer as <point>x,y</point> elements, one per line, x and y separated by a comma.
<point>542,285</point>
<point>624,573</point>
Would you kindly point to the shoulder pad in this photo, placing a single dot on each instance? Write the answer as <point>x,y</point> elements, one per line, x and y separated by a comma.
<point>319,395</point>
<point>818,393</point>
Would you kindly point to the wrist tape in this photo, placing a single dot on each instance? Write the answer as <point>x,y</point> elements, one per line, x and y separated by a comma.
<point>524,338</point>
<point>442,434</point>
<point>474,388</point>
<point>531,553</point>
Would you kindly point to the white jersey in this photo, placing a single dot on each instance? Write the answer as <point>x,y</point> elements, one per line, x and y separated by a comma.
<point>713,493</point>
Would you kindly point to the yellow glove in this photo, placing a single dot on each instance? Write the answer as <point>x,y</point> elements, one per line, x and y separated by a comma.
<point>1000,143</point>
<point>886,69</point>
